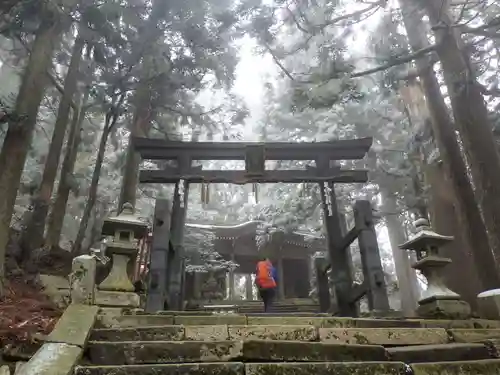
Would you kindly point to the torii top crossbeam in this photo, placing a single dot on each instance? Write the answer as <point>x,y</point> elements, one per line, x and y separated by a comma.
<point>255,154</point>
<point>158,149</point>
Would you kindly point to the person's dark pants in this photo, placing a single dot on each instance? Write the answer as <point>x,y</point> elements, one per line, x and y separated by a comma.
<point>267,296</point>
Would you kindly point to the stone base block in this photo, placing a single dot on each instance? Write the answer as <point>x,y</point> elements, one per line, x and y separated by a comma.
<point>116,299</point>
<point>445,309</point>
<point>489,304</point>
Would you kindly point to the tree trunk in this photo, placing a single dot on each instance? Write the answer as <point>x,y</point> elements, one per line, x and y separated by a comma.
<point>140,127</point>
<point>469,216</point>
<point>32,238</point>
<point>144,110</point>
<point>409,290</point>
<point>471,117</point>
<point>56,218</point>
<point>19,134</point>
<point>92,196</point>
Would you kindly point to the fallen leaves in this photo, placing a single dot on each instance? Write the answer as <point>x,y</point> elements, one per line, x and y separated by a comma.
<point>25,313</point>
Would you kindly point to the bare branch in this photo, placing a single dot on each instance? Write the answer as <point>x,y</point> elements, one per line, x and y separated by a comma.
<point>278,62</point>
<point>401,60</point>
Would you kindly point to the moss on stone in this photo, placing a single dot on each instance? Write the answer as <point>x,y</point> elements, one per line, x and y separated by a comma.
<point>152,352</point>
<point>439,353</point>
<point>278,332</point>
<point>346,368</point>
<point>75,325</point>
<point>211,320</point>
<point>484,323</point>
<point>474,335</point>
<point>385,323</point>
<point>296,321</point>
<point>384,336</point>
<point>261,350</point>
<point>206,333</point>
<point>53,359</point>
<point>444,323</point>
<point>484,367</point>
<point>131,321</point>
<point>233,368</point>
<point>161,333</point>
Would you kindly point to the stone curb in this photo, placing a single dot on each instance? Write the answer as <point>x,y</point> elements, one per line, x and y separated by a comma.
<point>65,344</point>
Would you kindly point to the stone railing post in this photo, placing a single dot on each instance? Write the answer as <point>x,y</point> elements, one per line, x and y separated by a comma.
<point>82,279</point>
<point>437,301</point>
<point>123,231</point>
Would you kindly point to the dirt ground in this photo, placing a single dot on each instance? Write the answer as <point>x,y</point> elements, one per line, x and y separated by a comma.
<point>26,314</point>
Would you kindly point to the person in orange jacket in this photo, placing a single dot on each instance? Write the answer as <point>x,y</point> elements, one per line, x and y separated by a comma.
<point>266,282</point>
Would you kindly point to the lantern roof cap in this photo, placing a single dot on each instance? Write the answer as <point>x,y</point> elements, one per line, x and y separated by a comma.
<point>126,221</point>
<point>425,237</point>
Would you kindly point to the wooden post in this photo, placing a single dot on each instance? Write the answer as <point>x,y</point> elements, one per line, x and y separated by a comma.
<point>177,235</point>
<point>322,284</point>
<point>281,277</point>
<point>343,227</point>
<point>159,255</point>
<point>249,287</point>
<point>231,274</point>
<point>370,257</point>
<point>340,265</point>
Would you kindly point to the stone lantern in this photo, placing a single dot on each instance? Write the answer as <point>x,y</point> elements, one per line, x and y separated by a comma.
<point>123,232</point>
<point>437,301</point>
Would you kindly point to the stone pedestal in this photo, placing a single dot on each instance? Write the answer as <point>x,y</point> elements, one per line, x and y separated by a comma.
<point>444,308</point>
<point>118,279</point>
<point>437,301</point>
<point>125,229</point>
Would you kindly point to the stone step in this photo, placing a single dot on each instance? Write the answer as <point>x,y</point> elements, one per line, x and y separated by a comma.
<point>371,336</point>
<point>281,314</point>
<point>152,333</point>
<point>458,324</point>
<point>331,322</point>
<point>384,336</point>
<point>281,309</point>
<point>129,321</point>
<point>156,352</point>
<point>124,321</point>
<point>474,335</point>
<point>483,367</point>
<point>145,320</point>
<point>439,353</point>
<point>238,368</point>
<point>206,333</point>
<point>230,368</point>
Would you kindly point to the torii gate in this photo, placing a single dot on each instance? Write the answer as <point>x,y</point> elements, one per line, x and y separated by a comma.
<point>166,270</point>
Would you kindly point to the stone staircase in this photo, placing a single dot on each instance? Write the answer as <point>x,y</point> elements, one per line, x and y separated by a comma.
<point>199,343</point>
